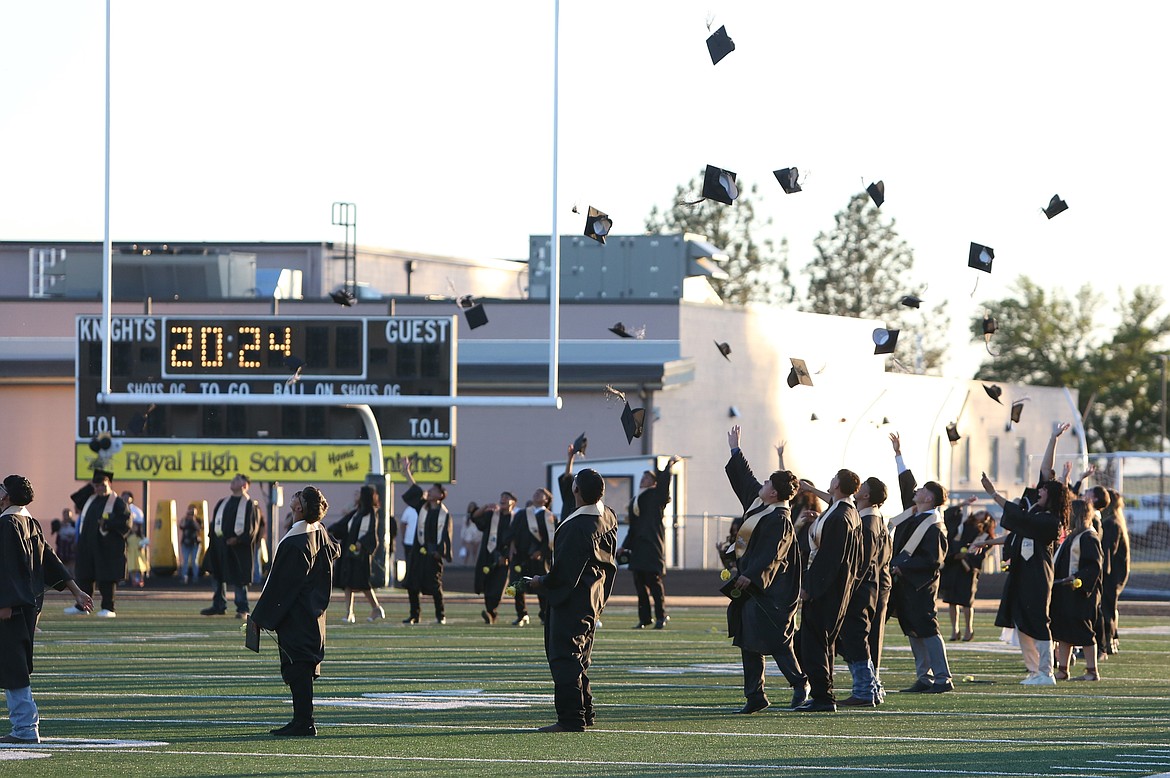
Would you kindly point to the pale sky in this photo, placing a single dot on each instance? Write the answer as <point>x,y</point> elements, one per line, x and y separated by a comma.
<point>244,121</point>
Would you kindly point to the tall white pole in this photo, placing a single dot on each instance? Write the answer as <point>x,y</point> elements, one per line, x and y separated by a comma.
<point>554,300</point>
<point>107,253</point>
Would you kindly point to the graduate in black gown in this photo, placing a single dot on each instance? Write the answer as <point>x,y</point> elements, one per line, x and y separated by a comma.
<point>103,523</point>
<point>233,528</point>
<point>863,631</point>
<point>1076,592</point>
<point>432,542</point>
<point>766,574</point>
<point>1114,562</point>
<point>646,542</point>
<point>529,541</point>
<point>959,580</point>
<point>834,559</point>
<point>293,605</point>
<point>491,564</point>
<point>28,566</point>
<point>357,534</point>
<point>577,586</point>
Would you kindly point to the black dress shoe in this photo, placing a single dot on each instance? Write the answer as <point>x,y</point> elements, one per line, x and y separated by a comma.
<point>817,706</point>
<point>297,729</point>
<point>942,687</point>
<point>917,688</point>
<point>558,728</point>
<point>799,696</point>
<point>753,706</point>
<point>661,623</point>
<point>20,741</point>
<point>642,625</point>
<point>857,702</point>
<point>410,620</point>
<point>213,611</point>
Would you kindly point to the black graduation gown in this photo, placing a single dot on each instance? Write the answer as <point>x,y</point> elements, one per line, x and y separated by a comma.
<point>296,595</point>
<point>426,574</point>
<point>764,622</point>
<point>828,581</point>
<point>1074,611</point>
<point>27,565</point>
<point>957,583</point>
<point>915,590</point>
<point>357,550</point>
<point>580,579</point>
<point>101,544</point>
<point>497,556</point>
<point>646,537</point>
<point>1028,589</point>
<point>232,564</point>
<point>866,603</point>
<point>1115,574</point>
<point>529,552</point>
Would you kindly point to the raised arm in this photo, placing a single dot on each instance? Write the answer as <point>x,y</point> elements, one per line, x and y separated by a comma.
<point>1046,471</point>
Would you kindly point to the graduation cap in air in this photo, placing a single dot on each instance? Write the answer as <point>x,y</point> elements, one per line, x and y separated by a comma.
<point>724,349</point>
<point>910,301</point>
<point>597,225</point>
<point>719,185</point>
<point>989,328</point>
<point>473,311</point>
<point>884,340</point>
<point>1055,206</point>
<point>296,365</point>
<point>343,297</point>
<point>620,330</point>
<point>789,179</point>
<point>799,373</point>
<point>980,257</point>
<point>719,45</point>
<point>877,191</point>
<point>1017,409</point>
<point>633,420</point>
<point>994,392</point>
<point>953,432</point>
<point>580,444</point>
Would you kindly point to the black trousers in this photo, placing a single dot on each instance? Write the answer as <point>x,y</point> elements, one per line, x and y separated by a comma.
<point>299,677</point>
<point>568,644</point>
<point>648,585</point>
<point>753,671</point>
<point>853,640</point>
<point>493,589</point>
<point>817,639</point>
<point>106,588</point>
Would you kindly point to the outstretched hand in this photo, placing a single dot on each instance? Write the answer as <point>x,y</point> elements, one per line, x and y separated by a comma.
<point>1061,429</point>
<point>896,442</point>
<point>988,486</point>
<point>733,437</point>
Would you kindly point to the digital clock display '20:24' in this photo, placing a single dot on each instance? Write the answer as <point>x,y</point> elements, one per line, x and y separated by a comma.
<point>252,349</point>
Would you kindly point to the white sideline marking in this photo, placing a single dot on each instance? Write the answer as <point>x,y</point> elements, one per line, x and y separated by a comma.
<point>836,769</point>
<point>14,755</point>
<point>446,700</point>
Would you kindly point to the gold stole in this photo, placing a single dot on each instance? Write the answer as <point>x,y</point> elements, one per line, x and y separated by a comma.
<point>492,530</point>
<point>85,509</point>
<point>1073,543</point>
<point>920,532</point>
<point>241,515</point>
<point>752,516</point>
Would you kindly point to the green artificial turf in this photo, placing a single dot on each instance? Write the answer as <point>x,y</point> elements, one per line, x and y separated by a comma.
<point>462,699</point>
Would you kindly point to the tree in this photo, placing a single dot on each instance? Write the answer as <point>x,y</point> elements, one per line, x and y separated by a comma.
<point>861,270</point>
<point>1046,339</point>
<point>757,270</point>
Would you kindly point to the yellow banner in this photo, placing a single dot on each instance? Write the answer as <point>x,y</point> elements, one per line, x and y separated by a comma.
<point>318,462</point>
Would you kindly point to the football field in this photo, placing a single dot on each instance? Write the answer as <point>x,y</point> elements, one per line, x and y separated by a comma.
<point>162,690</point>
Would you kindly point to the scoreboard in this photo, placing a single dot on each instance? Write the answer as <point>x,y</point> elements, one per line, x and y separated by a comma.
<point>284,359</point>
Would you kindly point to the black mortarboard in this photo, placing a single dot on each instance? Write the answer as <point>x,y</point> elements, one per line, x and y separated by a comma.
<point>799,373</point>
<point>724,349</point>
<point>100,443</point>
<point>99,474</point>
<point>953,432</point>
<point>719,45</point>
<point>632,421</point>
<point>980,257</point>
<point>473,311</point>
<point>884,340</point>
<point>789,179</point>
<point>994,392</point>
<point>343,297</point>
<point>580,444</point>
<point>620,330</point>
<point>719,185</point>
<point>597,225</point>
<point>1055,206</point>
<point>911,301</point>
<point>1017,409</point>
<point>877,191</point>
<point>989,325</point>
